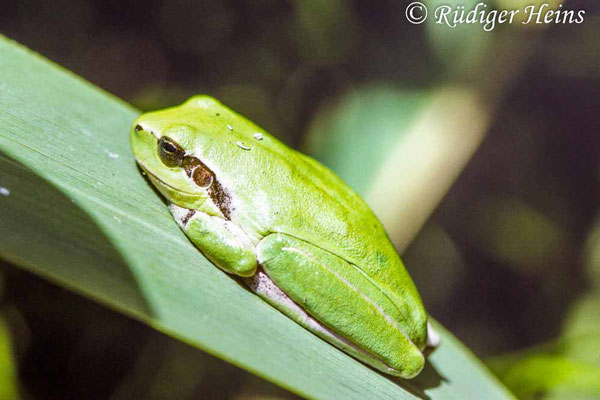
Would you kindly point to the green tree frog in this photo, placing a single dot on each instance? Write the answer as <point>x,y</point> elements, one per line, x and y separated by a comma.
<point>290,228</point>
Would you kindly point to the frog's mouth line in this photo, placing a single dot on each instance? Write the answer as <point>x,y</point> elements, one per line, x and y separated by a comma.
<point>154,178</point>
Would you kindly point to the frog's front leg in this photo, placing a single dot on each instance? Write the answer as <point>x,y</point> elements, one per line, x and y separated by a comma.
<point>343,299</point>
<point>221,241</point>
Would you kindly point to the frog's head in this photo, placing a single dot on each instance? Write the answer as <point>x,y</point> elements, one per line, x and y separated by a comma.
<point>166,145</point>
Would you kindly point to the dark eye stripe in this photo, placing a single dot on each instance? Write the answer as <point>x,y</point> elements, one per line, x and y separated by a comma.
<point>205,178</point>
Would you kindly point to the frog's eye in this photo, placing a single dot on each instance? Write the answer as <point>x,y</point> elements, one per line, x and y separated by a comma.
<point>170,153</point>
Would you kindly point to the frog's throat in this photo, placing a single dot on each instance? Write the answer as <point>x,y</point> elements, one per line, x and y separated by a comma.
<point>262,285</point>
<point>181,215</point>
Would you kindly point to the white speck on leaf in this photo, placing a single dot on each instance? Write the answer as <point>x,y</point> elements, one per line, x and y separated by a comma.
<point>4,191</point>
<point>111,154</point>
<point>230,127</point>
<point>258,136</point>
<point>242,146</point>
<point>117,219</point>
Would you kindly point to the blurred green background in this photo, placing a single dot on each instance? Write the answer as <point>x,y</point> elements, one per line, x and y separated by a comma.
<point>480,152</point>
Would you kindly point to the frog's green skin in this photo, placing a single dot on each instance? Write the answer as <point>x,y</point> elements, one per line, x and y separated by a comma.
<point>300,237</point>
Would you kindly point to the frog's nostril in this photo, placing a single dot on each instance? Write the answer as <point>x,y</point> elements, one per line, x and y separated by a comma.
<point>138,128</point>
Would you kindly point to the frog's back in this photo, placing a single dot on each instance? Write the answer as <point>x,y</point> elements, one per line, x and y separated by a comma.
<point>312,203</point>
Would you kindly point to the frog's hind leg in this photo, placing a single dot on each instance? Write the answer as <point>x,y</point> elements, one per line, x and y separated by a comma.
<point>262,285</point>
<point>330,297</point>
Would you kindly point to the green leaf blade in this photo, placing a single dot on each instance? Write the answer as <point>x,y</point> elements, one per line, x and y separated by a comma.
<point>79,213</point>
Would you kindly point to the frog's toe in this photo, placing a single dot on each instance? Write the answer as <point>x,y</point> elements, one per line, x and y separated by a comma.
<point>433,339</point>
